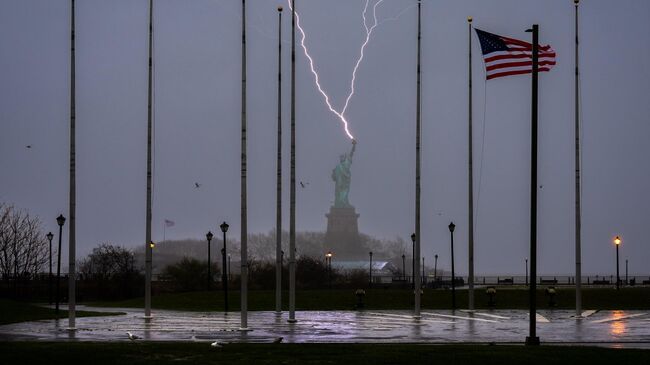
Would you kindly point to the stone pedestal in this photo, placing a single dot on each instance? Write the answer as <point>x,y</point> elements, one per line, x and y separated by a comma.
<point>342,237</point>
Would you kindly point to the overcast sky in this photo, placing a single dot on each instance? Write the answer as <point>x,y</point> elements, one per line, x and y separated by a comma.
<point>197,123</point>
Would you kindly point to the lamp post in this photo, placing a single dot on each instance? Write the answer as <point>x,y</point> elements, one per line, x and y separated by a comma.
<point>370,270</point>
<point>626,282</point>
<point>435,267</point>
<point>403,266</point>
<point>60,220</point>
<point>49,236</point>
<point>224,274</point>
<point>152,245</point>
<point>617,242</point>
<point>328,262</point>
<point>526,270</point>
<point>209,236</point>
<point>413,262</point>
<point>452,226</point>
<point>229,266</point>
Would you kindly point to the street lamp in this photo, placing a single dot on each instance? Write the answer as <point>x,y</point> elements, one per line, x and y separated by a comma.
<point>224,274</point>
<point>452,226</point>
<point>617,242</point>
<point>626,281</point>
<point>49,278</point>
<point>152,245</point>
<point>328,262</point>
<point>526,270</point>
<point>435,267</point>
<point>60,220</point>
<point>413,261</point>
<point>403,266</point>
<point>370,269</point>
<point>209,236</point>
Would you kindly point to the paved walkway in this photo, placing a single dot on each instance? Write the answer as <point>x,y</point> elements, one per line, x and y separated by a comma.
<point>608,328</point>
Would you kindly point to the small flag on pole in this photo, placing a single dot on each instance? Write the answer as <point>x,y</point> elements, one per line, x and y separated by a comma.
<point>169,223</point>
<point>505,56</point>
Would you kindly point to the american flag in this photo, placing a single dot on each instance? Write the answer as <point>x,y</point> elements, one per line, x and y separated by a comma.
<point>169,223</point>
<point>505,56</point>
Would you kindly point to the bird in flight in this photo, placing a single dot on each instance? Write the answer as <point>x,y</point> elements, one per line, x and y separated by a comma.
<point>28,146</point>
<point>304,184</point>
<point>197,185</point>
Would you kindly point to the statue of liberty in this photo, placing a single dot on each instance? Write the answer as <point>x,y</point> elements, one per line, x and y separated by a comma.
<point>342,178</point>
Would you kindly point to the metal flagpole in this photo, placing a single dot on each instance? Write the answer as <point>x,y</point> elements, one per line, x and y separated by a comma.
<point>148,248</point>
<point>578,279</point>
<point>278,214</point>
<point>244,217</point>
<point>470,189</point>
<point>418,121</point>
<point>532,339</point>
<point>292,181</point>
<point>72,236</point>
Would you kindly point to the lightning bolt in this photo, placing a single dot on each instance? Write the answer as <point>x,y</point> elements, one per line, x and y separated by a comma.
<point>369,29</point>
<point>361,51</point>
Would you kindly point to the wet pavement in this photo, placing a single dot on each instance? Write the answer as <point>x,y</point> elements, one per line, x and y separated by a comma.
<point>604,328</point>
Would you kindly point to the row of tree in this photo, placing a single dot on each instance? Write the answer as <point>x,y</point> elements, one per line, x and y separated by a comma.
<point>261,248</point>
<point>113,271</point>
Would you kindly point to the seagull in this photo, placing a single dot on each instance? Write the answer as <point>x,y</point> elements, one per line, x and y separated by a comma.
<point>278,340</point>
<point>29,146</point>
<point>304,184</point>
<point>132,337</point>
<point>197,185</point>
<point>217,344</point>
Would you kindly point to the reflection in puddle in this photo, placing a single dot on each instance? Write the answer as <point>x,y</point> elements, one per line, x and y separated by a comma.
<point>617,327</point>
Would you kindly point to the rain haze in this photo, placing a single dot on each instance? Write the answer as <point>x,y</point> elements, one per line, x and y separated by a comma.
<point>197,123</point>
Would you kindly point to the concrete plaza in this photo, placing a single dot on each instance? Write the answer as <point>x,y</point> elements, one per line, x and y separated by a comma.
<point>627,328</point>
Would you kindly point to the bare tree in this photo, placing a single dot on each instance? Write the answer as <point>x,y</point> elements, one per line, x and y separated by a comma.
<point>23,247</point>
<point>108,262</point>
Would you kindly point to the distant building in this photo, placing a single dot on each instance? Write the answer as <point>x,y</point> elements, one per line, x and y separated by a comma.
<point>382,271</point>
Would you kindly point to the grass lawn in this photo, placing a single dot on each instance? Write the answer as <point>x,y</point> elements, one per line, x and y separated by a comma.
<point>158,353</point>
<point>13,312</point>
<point>344,299</point>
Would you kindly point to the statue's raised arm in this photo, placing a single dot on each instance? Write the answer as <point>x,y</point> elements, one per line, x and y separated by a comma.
<point>354,146</point>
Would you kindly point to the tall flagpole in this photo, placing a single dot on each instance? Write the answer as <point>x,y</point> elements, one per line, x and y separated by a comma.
<point>244,217</point>
<point>278,213</point>
<point>292,181</point>
<point>578,279</point>
<point>72,236</point>
<point>532,339</point>
<point>418,121</point>
<point>147,245</point>
<point>470,172</point>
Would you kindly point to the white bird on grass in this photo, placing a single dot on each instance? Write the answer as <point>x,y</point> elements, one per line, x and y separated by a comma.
<point>278,340</point>
<point>132,337</point>
<point>217,344</point>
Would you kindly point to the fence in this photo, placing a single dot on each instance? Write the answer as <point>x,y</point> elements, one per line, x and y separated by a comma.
<point>445,280</point>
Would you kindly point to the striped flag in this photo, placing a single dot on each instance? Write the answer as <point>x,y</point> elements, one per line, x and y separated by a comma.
<point>505,56</point>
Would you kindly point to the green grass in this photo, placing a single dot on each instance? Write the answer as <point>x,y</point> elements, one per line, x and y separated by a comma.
<point>201,353</point>
<point>344,299</point>
<point>14,312</point>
